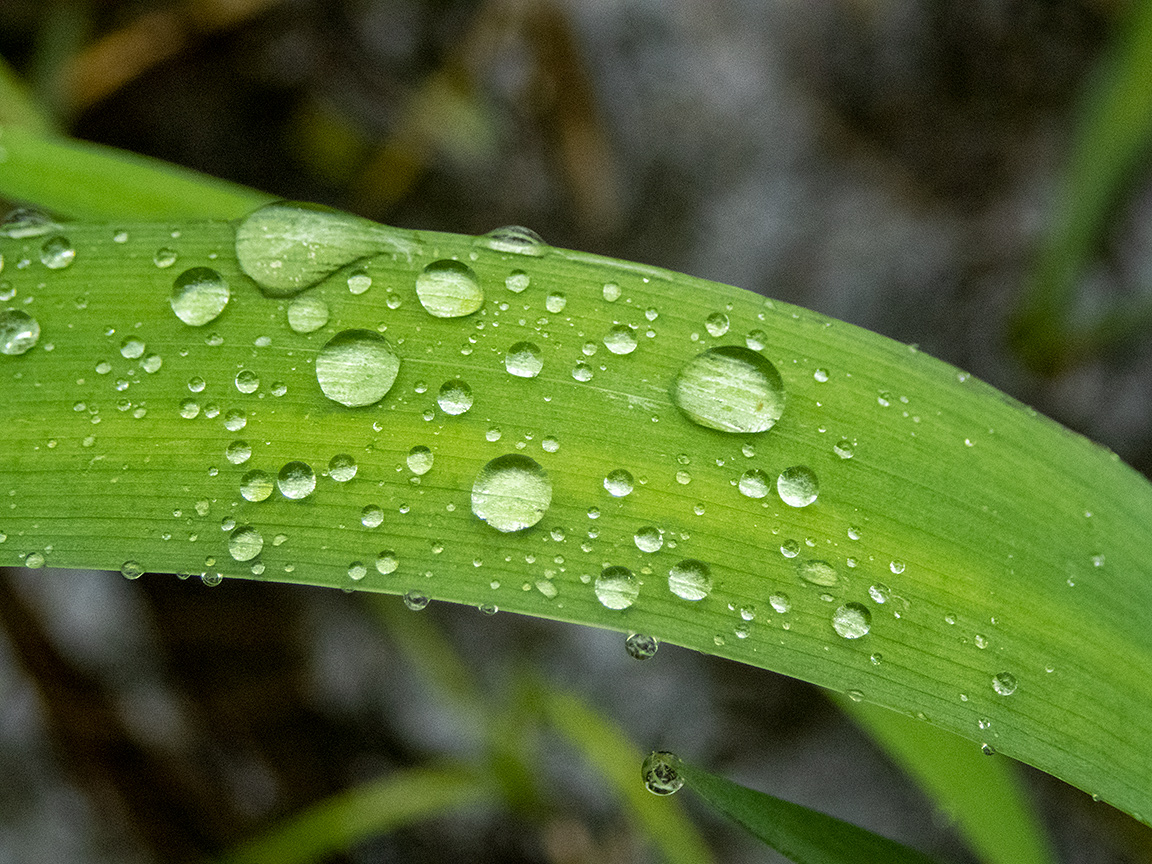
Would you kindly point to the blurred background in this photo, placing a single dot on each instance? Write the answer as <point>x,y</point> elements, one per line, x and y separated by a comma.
<point>898,164</point>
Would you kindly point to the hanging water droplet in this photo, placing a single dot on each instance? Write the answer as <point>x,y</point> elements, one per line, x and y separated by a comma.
<point>455,397</point>
<point>1004,683</point>
<point>387,562</point>
<point>648,539</point>
<point>515,239</point>
<point>245,543</point>
<point>843,448</point>
<point>517,281</point>
<point>611,292</point>
<point>211,579</point>
<point>555,302</point>
<point>307,314</point>
<point>620,340</point>
<point>371,516</point>
<point>342,467</point>
<point>359,282</point>
<point>780,602</point>
<point>164,257</point>
<point>131,570</point>
<point>357,571</point>
<point>415,600</point>
<point>356,368</point>
<point>690,580</point>
<point>641,647</point>
<point>238,452</point>
<point>449,289</point>
<point>716,324</point>
<point>618,483</point>
<point>852,620</point>
<point>19,331</point>
<point>818,573</point>
<point>256,485</point>
<point>511,493</point>
<point>661,774</point>
<point>247,381</point>
<point>199,296</point>
<point>132,348</point>
<point>287,246</point>
<point>296,480</point>
<point>57,253</point>
<point>616,587</point>
<point>731,389</point>
<point>798,486</point>
<point>754,483</point>
<point>523,360</point>
<point>420,460</point>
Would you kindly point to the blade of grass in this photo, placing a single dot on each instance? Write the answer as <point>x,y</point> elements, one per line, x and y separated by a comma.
<point>982,794</point>
<point>803,835</point>
<point>17,107</point>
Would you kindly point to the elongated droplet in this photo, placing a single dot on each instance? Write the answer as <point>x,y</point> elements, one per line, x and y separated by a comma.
<point>617,587</point>
<point>660,773</point>
<point>515,239</point>
<point>511,493</point>
<point>818,573</point>
<point>19,331</point>
<point>690,580</point>
<point>245,543</point>
<point>449,289</point>
<point>288,246</point>
<point>22,223</point>
<point>199,296</point>
<point>356,368</point>
<point>730,388</point>
<point>852,620</point>
<point>798,486</point>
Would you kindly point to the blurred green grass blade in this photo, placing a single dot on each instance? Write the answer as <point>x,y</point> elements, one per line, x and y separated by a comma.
<point>80,180</point>
<point>803,835</point>
<point>982,794</point>
<point>1112,140</point>
<point>602,743</point>
<point>402,798</point>
<point>17,107</point>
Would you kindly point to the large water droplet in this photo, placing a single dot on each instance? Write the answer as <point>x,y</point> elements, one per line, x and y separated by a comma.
<point>307,314</point>
<point>420,460</point>
<point>387,562</point>
<point>511,493</point>
<point>617,587</point>
<point>798,486</point>
<point>455,397</point>
<point>515,239</point>
<point>57,253</point>
<point>690,579</point>
<point>296,480</point>
<point>661,774</point>
<point>342,467</point>
<point>523,360</point>
<point>1004,683</point>
<point>730,388</point>
<point>449,289</point>
<point>287,247</point>
<point>641,647</point>
<point>359,282</point>
<point>754,483</point>
<point>247,381</point>
<point>620,340</point>
<point>199,296</point>
<point>648,539</point>
<point>245,543</point>
<point>618,483</point>
<point>852,620</point>
<point>356,368</point>
<point>256,485</point>
<point>19,331</point>
<point>238,452</point>
<point>818,573</point>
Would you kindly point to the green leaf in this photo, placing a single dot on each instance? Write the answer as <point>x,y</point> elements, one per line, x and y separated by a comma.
<point>803,835</point>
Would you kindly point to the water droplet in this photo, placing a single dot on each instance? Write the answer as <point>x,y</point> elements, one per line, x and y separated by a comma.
<point>896,567</point>
<point>731,389</point>
<point>356,368</point>
<point>818,573</point>
<point>449,289</point>
<point>359,282</point>
<point>852,620</point>
<point>555,302</point>
<point>523,360</point>
<point>493,434</point>
<point>152,363</point>
<point>234,420</point>
<point>611,292</point>
<point>790,548</point>
<point>618,483</point>
<point>517,281</point>
<point>981,641</point>
<point>256,485</point>
<point>189,409</point>
<point>199,296</point>
<point>211,580</point>
<point>641,647</point>
<point>247,381</point>
<point>648,539</point>
<point>617,587</point>
<point>415,600</point>
<point>660,773</point>
<point>690,579</point>
<point>511,492</point>
<point>164,257</point>
<point>455,397</point>
<point>357,571</point>
<point>288,246</point>
<point>132,347</point>
<point>515,239</point>
<point>716,324</point>
<point>131,569</point>
<point>34,561</point>
<point>756,340</point>
<point>371,516</point>
<point>754,483</point>
<point>780,602</point>
<point>1004,683</point>
<point>342,468</point>
<point>19,331</point>
<point>880,593</point>
<point>245,543</point>
<point>821,375</point>
<point>238,452</point>
<point>620,340</point>
<point>307,314</point>
<point>296,480</point>
<point>844,449</point>
<point>798,486</point>
<point>57,253</point>
<point>23,223</point>
<point>582,371</point>
<point>420,460</point>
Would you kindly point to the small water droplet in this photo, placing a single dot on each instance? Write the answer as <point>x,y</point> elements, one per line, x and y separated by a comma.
<point>981,641</point>
<point>256,485</point>
<point>211,580</point>
<point>164,257</point>
<point>648,539</point>
<point>844,449</point>
<point>131,569</point>
<point>523,360</point>
<point>780,602</point>
<point>716,324</point>
<point>618,483</point>
<point>387,562</point>
<point>555,302</point>
<point>359,282</point>
<point>620,340</point>
<point>420,460</point>
<point>611,292</point>
<point>357,571</point>
<point>756,340</point>
<point>296,480</point>
<point>356,368</point>
<point>511,493</point>
<point>852,620</point>
<point>821,375</point>
<point>245,543</point>
<point>189,409</point>
<point>690,579</point>
<point>455,397</point>
<point>199,296</point>
<point>307,314</point>
<point>342,468</point>
<point>247,381</point>
<point>1004,683</point>
<point>57,253</point>
<point>818,573</point>
<point>517,281</point>
<point>415,600</point>
<point>582,371</point>
<point>754,483</point>
<point>661,774</point>
<point>731,389</point>
<point>896,567</point>
<point>132,348</point>
<point>151,363</point>
<point>34,561</point>
<point>515,239</point>
<point>449,289</point>
<point>790,548</point>
<point>617,587</point>
<point>798,486</point>
<point>641,647</point>
<point>493,434</point>
<point>880,593</point>
<point>371,516</point>
<point>238,452</point>
<point>19,331</point>
<point>234,420</point>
